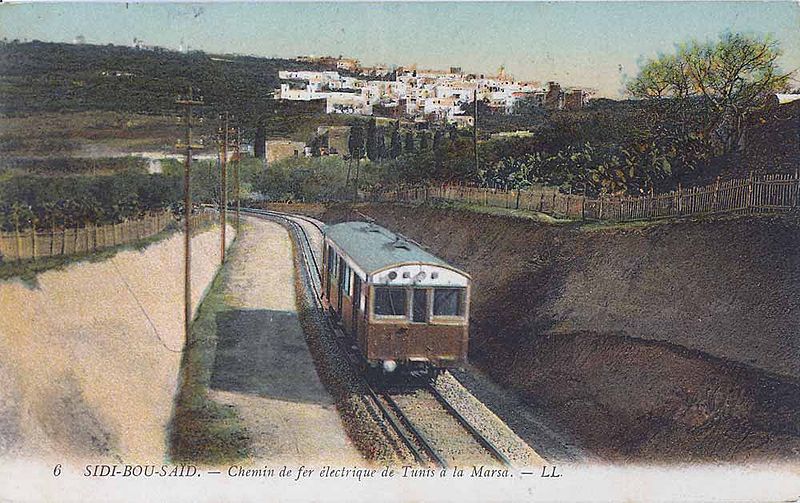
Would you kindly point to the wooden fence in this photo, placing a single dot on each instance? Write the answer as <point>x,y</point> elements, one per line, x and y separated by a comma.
<point>755,194</point>
<point>28,244</point>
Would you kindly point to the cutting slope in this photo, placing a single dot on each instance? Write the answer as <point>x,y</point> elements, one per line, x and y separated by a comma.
<point>672,341</point>
<point>89,357</point>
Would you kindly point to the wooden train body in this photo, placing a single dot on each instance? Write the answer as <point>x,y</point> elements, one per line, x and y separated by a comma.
<point>404,307</point>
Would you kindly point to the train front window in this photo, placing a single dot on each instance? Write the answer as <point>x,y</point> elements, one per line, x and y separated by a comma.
<point>390,301</point>
<point>419,309</point>
<point>448,302</point>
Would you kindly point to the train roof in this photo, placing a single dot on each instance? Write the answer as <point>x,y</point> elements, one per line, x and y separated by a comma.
<point>375,248</point>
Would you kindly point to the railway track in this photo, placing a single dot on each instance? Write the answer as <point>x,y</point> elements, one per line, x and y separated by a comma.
<point>426,423</point>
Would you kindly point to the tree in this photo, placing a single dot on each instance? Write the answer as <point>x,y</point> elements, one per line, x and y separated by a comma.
<point>438,139</point>
<point>395,147</point>
<point>260,142</point>
<point>423,141</point>
<point>372,141</point>
<point>381,143</point>
<point>356,146</point>
<point>408,144</point>
<point>728,79</point>
<point>355,143</point>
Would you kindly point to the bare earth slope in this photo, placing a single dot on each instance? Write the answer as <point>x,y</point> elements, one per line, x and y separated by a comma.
<point>89,357</point>
<point>667,342</point>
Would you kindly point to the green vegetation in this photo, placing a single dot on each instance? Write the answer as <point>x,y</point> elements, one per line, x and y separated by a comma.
<point>41,77</point>
<point>691,115</point>
<point>688,124</point>
<point>71,165</point>
<point>493,210</point>
<point>724,81</point>
<point>202,430</point>
<point>57,202</point>
<point>47,202</point>
<point>315,179</point>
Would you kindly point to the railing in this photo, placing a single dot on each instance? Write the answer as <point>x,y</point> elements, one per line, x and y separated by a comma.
<point>31,245</point>
<point>755,194</point>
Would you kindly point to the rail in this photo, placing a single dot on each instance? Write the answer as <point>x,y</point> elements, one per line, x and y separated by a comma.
<point>390,411</point>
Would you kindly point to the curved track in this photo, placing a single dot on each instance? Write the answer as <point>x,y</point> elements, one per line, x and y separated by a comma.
<point>409,413</point>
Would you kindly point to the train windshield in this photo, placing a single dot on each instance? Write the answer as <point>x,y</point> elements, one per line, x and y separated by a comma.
<point>448,302</point>
<point>390,301</point>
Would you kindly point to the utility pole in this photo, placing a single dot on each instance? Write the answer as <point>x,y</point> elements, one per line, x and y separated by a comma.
<point>223,188</point>
<point>475,129</point>
<point>238,154</point>
<point>187,102</point>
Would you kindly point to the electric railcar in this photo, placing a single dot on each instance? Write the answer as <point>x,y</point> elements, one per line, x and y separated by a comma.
<point>405,308</point>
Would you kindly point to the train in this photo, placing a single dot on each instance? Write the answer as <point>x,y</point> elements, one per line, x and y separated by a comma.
<point>405,309</point>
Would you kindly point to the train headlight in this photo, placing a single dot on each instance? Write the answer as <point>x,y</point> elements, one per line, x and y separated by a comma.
<point>389,365</point>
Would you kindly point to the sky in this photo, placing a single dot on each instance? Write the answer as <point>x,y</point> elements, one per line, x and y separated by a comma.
<point>588,44</point>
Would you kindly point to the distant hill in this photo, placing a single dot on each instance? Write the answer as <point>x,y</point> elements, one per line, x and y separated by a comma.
<point>38,77</point>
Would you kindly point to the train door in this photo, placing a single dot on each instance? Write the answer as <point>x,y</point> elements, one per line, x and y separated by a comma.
<point>356,303</point>
<point>419,307</point>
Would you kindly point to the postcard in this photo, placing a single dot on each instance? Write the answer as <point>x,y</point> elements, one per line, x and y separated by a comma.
<point>399,251</point>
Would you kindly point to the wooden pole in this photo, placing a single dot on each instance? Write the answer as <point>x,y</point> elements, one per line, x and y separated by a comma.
<point>223,190</point>
<point>236,176</point>
<point>475,128</point>
<point>187,102</point>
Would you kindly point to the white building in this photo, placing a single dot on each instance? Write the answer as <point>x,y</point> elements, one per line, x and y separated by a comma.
<point>420,92</point>
<point>347,103</point>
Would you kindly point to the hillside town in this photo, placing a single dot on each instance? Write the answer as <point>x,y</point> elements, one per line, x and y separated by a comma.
<point>420,94</point>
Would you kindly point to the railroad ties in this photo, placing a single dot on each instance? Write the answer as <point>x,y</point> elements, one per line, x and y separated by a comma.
<point>427,424</point>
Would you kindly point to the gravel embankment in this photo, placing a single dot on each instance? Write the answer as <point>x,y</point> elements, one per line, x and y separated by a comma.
<point>362,421</point>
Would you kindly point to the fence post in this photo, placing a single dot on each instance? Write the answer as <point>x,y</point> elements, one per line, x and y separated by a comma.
<point>796,188</point>
<point>716,196</point>
<point>750,193</point>
<point>18,242</point>
<point>33,243</point>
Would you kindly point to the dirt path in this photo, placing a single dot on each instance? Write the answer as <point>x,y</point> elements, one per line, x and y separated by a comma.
<point>263,366</point>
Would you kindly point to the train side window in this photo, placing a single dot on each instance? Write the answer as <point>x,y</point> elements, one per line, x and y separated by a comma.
<point>356,292</point>
<point>343,277</point>
<point>448,302</point>
<point>390,301</point>
<point>333,261</point>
